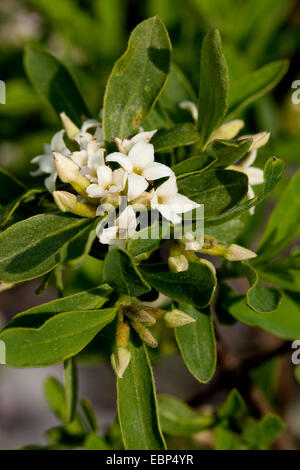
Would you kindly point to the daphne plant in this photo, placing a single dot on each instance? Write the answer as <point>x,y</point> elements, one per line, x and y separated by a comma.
<point>158,190</point>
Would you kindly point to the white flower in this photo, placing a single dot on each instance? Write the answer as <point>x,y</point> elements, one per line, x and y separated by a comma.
<point>90,157</point>
<point>170,203</point>
<point>126,144</point>
<point>46,161</point>
<point>124,228</point>
<point>141,168</point>
<point>255,175</point>
<point>107,181</point>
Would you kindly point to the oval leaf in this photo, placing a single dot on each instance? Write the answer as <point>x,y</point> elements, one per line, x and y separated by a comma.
<point>136,80</point>
<point>137,403</point>
<point>59,338</point>
<point>178,136</point>
<point>120,272</point>
<point>194,286</point>
<point>32,247</point>
<point>197,345</point>
<point>55,83</point>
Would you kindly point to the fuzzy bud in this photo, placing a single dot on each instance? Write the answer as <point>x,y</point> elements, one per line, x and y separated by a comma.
<point>178,264</point>
<point>67,202</point>
<point>228,131</point>
<point>238,253</point>
<point>145,335</point>
<point>70,128</point>
<point>69,172</point>
<point>259,140</point>
<point>176,318</point>
<point>120,360</point>
<point>140,315</point>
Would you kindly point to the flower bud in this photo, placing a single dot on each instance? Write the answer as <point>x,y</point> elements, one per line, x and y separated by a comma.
<point>176,318</point>
<point>238,253</point>
<point>120,360</point>
<point>67,202</point>
<point>228,131</point>
<point>70,128</point>
<point>178,264</point>
<point>259,140</point>
<point>69,172</point>
<point>144,334</point>
<point>140,315</point>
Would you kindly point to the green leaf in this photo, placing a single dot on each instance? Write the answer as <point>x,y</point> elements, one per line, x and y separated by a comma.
<point>178,136</point>
<point>226,232</point>
<point>195,286</point>
<point>95,442</point>
<point>55,83</point>
<point>259,297</point>
<point>272,174</point>
<point>147,240</point>
<point>121,273</point>
<point>86,300</point>
<point>214,85</point>
<point>233,407</point>
<point>260,435</point>
<point>284,224</point>
<point>31,247</point>
<point>71,388</point>
<point>283,272</point>
<point>179,419</point>
<point>75,252</point>
<point>89,414</point>
<point>12,191</point>
<point>284,322</point>
<point>256,84</point>
<point>59,338</point>
<point>218,190</point>
<point>193,164</point>
<point>197,345</point>
<point>137,403</point>
<point>136,80</point>
<point>228,152</point>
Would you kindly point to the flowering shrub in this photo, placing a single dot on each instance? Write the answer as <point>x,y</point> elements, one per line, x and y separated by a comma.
<point>158,188</point>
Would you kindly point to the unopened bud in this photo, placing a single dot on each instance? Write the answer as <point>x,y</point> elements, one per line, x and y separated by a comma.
<point>69,172</point>
<point>140,315</point>
<point>176,318</point>
<point>259,140</point>
<point>144,334</point>
<point>191,107</point>
<point>190,242</point>
<point>228,131</point>
<point>70,128</point>
<point>178,264</point>
<point>67,202</point>
<point>238,253</point>
<point>120,360</point>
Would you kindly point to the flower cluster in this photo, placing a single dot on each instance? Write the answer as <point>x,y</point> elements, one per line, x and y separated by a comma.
<point>101,180</point>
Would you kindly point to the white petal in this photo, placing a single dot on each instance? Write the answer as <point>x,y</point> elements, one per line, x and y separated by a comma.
<point>83,139</point>
<point>108,235</point>
<point>141,155</point>
<point>156,171</point>
<point>80,157</point>
<point>96,159</point>
<point>181,204</point>
<point>122,159</point>
<point>136,186</point>
<point>104,174</point>
<point>143,137</point>
<point>251,195</point>
<point>127,219</point>
<point>167,190</point>
<point>191,107</point>
<point>50,182</point>
<point>255,175</point>
<point>89,123</point>
<point>250,159</point>
<point>119,178</point>
<point>167,213</point>
<point>95,190</point>
<point>57,142</point>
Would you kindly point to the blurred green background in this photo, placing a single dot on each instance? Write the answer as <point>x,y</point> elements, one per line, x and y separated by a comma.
<point>89,35</point>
